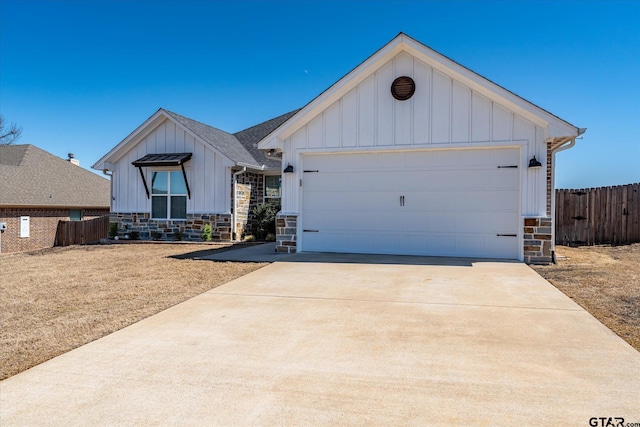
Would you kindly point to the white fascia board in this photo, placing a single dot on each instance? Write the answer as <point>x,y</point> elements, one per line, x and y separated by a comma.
<point>332,94</point>
<point>487,88</point>
<point>270,144</point>
<point>142,131</point>
<point>139,133</point>
<point>435,60</point>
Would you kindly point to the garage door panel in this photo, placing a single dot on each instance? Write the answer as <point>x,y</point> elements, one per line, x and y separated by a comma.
<point>443,203</point>
<point>349,201</point>
<point>442,180</point>
<point>465,201</point>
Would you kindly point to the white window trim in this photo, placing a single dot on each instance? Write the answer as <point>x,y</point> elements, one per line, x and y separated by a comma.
<point>264,189</point>
<point>168,195</point>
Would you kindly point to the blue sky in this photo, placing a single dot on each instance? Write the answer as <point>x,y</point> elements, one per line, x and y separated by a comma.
<point>79,76</point>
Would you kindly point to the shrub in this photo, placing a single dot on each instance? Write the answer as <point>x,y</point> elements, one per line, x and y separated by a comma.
<point>270,237</point>
<point>156,235</point>
<point>207,233</point>
<point>250,238</point>
<point>177,235</point>
<point>134,235</point>
<point>113,229</point>
<point>264,220</point>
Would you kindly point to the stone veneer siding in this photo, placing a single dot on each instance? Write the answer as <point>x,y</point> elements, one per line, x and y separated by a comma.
<point>191,228</point>
<point>43,224</point>
<point>537,241</point>
<point>249,193</point>
<point>286,233</point>
<point>537,238</point>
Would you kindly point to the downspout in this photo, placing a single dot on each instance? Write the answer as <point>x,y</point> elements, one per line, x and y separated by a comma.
<point>235,199</point>
<point>111,198</point>
<point>564,146</point>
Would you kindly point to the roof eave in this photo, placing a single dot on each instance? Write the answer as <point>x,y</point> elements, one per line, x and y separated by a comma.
<point>105,163</point>
<point>434,59</point>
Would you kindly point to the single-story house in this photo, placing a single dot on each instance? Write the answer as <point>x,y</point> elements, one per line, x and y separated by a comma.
<point>175,175</point>
<point>37,190</point>
<point>409,153</point>
<point>412,153</point>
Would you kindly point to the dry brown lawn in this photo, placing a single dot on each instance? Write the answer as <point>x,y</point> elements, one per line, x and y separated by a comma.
<point>605,281</point>
<point>56,300</point>
<point>59,299</point>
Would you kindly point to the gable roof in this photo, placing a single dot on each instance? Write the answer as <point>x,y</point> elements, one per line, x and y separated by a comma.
<point>404,43</point>
<point>224,142</point>
<point>30,176</point>
<point>250,137</point>
<point>240,148</point>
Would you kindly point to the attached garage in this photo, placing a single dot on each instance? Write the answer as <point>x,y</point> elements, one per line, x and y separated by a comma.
<point>461,203</point>
<point>411,153</point>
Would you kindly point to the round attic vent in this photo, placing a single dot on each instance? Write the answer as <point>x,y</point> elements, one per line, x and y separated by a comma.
<point>403,88</point>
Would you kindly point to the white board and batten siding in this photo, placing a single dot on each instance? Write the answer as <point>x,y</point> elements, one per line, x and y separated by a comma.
<point>442,173</point>
<point>207,172</point>
<point>442,114</point>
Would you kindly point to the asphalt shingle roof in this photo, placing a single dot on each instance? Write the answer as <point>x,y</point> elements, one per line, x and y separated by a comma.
<point>250,137</point>
<point>240,147</point>
<point>30,176</point>
<point>223,141</point>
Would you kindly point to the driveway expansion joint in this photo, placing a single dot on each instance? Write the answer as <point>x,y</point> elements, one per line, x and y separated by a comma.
<point>395,301</point>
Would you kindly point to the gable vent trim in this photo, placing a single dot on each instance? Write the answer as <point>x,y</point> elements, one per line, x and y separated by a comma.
<point>403,88</point>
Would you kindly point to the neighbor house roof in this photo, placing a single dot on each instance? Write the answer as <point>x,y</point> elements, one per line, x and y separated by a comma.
<point>241,148</point>
<point>30,176</point>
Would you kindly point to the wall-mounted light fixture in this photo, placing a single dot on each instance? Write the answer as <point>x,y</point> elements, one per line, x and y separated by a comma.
<point>288,169</point>
<point>534,163</point>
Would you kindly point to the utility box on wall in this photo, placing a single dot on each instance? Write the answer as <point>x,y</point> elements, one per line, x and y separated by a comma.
<point>3,226</point>
<point>24,226</point>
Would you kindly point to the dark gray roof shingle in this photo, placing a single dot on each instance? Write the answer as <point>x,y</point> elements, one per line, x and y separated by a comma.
<point>241,147</point>
<point>224,142</point>
<point>250,137</point>
<point>30,176</point>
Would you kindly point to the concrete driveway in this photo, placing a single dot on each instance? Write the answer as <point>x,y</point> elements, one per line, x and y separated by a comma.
<point>330,339</point>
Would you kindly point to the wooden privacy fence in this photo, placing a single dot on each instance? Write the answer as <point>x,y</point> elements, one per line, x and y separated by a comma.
<point>593,216</point>
<point>81,232</point>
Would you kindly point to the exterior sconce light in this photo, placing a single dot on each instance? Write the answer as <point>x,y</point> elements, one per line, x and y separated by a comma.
<point>271,152</point>
<point>534,163</point>
<point>288,169</point>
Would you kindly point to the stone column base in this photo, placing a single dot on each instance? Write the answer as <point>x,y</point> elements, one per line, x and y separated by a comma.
<point>286,233</point>
<point>537,240</point>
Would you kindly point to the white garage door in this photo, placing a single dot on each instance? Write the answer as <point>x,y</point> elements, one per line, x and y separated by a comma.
<point>460,203</point>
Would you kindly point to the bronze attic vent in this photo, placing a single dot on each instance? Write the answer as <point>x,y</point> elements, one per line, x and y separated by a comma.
<point>403,88</point>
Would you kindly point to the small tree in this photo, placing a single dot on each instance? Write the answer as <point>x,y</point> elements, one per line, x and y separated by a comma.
<point>9,135</point>
<point>264,220</point>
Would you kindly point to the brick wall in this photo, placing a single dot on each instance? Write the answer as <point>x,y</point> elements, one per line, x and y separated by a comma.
<point>191,228</point>
<point>43,223</point>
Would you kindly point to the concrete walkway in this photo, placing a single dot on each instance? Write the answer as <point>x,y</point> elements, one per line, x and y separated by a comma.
<point>346,343</point>
<point>265,252</point>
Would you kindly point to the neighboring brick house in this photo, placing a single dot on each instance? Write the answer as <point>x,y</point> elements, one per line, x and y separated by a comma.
<point>175,175</point>
<point>38,189</point>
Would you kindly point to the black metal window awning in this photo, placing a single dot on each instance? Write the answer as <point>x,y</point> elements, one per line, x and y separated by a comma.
<point>163,160</point>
